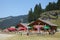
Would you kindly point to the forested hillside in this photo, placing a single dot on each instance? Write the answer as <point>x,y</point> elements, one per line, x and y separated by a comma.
<point>49,11</point>
<point>12,21</point>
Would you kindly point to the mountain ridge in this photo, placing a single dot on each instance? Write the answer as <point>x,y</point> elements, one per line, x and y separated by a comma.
<point>12,21</point>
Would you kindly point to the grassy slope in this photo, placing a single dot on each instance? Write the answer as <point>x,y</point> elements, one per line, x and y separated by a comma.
<point>36,37</point>
<point>49,13</point>
<point>56,22</point>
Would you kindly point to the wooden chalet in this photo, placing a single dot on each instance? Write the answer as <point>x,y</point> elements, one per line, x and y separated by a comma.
<point>42,23</point>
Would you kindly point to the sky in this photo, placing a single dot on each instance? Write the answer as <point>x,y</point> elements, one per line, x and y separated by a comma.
<point>19,7</point>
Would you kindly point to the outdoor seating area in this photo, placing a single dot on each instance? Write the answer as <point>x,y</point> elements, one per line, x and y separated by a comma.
<point>43,25</point>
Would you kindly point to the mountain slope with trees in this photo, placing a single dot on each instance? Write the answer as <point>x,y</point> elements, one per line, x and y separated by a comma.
<point>12,21</point>
<point>38,11</point>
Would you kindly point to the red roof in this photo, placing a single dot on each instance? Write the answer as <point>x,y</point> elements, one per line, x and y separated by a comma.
<point>20,25</point>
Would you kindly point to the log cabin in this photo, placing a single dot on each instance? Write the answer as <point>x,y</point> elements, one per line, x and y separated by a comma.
<point>53,27</point>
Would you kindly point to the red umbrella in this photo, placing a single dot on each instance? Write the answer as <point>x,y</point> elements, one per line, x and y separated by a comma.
<point>11,29</point>
<point>21,28</point>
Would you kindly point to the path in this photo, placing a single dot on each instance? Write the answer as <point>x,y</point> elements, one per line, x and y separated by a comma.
<point>5,36</point>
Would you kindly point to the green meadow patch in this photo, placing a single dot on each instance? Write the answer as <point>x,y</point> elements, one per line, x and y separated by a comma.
<point>35,37</point>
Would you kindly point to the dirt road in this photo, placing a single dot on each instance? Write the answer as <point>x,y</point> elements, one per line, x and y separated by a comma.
<point>5,36</point>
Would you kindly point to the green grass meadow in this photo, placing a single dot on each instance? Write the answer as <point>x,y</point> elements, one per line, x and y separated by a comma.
<point>57,22</point>
<point>35,37</point>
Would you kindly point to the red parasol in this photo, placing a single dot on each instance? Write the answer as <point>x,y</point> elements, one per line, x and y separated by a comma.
<point>21,28</point>
<point>11,29</point>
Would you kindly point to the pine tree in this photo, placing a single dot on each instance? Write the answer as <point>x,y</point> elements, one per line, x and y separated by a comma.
<point>58,4</point>
<point>37,11</point>
<point>51,6</point>
<point>54,6</point>
<point>40,10</point>
<point>30,15</point>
